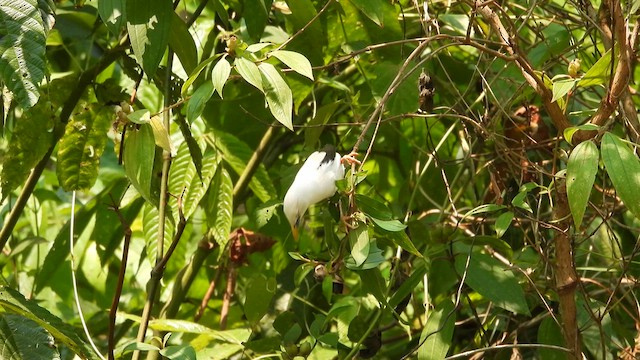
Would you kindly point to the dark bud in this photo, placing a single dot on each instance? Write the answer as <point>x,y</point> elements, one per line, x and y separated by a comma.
<point>426,90</point>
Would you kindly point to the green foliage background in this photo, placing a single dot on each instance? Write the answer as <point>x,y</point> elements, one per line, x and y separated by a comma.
<point>491,224</point>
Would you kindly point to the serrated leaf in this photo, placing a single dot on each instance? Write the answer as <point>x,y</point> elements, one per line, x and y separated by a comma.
<point>21,338</point>
<point>22,49</point>
<point>582,168</point>
<point>199,100</point>
<point>278,94</point>
<point>184,182</point>
<point>359,241</point>
<point>181,42</point>
<point>149,25</point>
<point>503,222</point>
<point>150,225</point>
<point>194,148</point>
<point>237,153</point>
<point>139,156</point>
<point>249,72</point>
<point>15,302</point>
<point>112,13</point>
<point>220,74</point>
<point>259,293</point>
<point>160,134</point>
<point>81,147</point>
<point>561,88</point>
<point>598,73</point>
<point>623,168</point>
<point>485,273</point>
<point>373,9</point>
<point>219,209</point>
<point>297,62</point>
<point>437,335</point>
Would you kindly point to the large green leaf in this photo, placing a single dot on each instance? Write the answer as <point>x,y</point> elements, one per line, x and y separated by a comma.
<point>139,158</point>
<point>255,17</point>
<point>21,338</point>
<point>249,72</point>
<point>81,147</point>
<point>581,173</point>
<point>181,42</point>
<point>237,153</point>
<point>198,100</point>
<point>220,74</point>
<point>297,62</point>
<point>278,94</point>
<point>373,9</point>
<point>491,279</point>
<point>150,225</point>
<point>359,241</point>
<point>149,25</point>
<point>219,208</point>
<point>22,49</point>
<point>13,301</point>
<point>112,13</point>
<point>598,73</point>
<point>184,182</point>
<point>623,168</point>
<point>437,335</point>
<point>260,291</point>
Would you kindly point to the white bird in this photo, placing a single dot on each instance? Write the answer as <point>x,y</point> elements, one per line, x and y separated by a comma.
<point>315,181</point>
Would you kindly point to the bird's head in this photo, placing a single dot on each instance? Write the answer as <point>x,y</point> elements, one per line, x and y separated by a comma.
<point>293,212</point>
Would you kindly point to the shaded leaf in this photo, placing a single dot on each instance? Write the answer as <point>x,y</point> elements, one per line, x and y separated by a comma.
<point>139,156</point>
<point>13,301</point>
<point>297,62</point>
<point>549,333</point>
<point>181,352</point>
<point>198,100</point>
<point>582,168</point>
<point>491,279</point>
<point>278,94</point>
<point>314,130</point>
<point>219,209</point>
<point>373,9</point>
<point>181,42</point>
<point>260,291</point>
<point>359,241</point>
<point>568,132</point>
<point>22,49</point>
<point>389,225</point>
<point>113,14</point>
<point>255,17</point>
<point>623,168</point>
<point>21,338</point>
<point>374,258</point>
<point>194,148</point>
<point>195,73</point>
<point>503,222</point>
<point>373,208</point>
<point>81,147</point>
<point>149,26</point>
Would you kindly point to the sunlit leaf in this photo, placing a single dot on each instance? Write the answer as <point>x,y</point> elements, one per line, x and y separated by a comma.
<point>21,338</point>
<point>160,134</point>
<point>598,73</point>
<point>149,26</point>
<point>219,208</point>
<point>113,15</point>
<point>139,156</point>
<point>220,74</point>
<point>297,62</point>
<point>249,72</point>
<point>582,168</point>
<point>437,335</point>
<point>561,88</point>
<point>359,241</point>
<point>568,132</point>
<point>278,94</point>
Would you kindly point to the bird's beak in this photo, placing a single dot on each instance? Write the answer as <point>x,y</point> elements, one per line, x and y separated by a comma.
<point>295,232</point>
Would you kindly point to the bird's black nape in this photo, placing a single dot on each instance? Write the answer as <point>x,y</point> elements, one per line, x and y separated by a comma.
<point>329,153</point>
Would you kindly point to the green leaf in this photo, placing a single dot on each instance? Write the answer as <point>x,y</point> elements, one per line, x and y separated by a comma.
<point>112,13</point>
<point>278,94</point>
<point>568,132</point>
<point>408,286</point>
<point>149,26</point>
<point>150,225</point>
<point>255,17</point>
<point>22,49</point>
<point>400,238</point>
<point>249,72</point>
<point>598,73</point>
<point>237,153</point>
<point>389,225</point>
<point>496,243</point>
<point>373,283</point>
<point>179,352</point>
<point>195,74</point>
<point>561,88</point>
<point>375,257</point>
<point>314,130</point>
<point>485,208</point>
<point>184,182</point>
<point>437,335</point>
<point>549,333</point>
<point>582,168</point>
<point>220,74</point>
<point>503,222</point>
<point>259,293</point>
<point>81,147</point>
<point>623,168</point>
<point>181,42</point>
<point>21,338</point>
<point>491,279</point>
<point>265,212</point>
<point>160,134</point>
<point>194,148</point>
<point>219,209</point>
<point>198,100</point>
<point>297,62</point>
<point>14,302</point>
<point>373,208</point>
<point>142,116</point>
<point>373,9</point>
<point>139,156</point>
<point>359,241</point>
